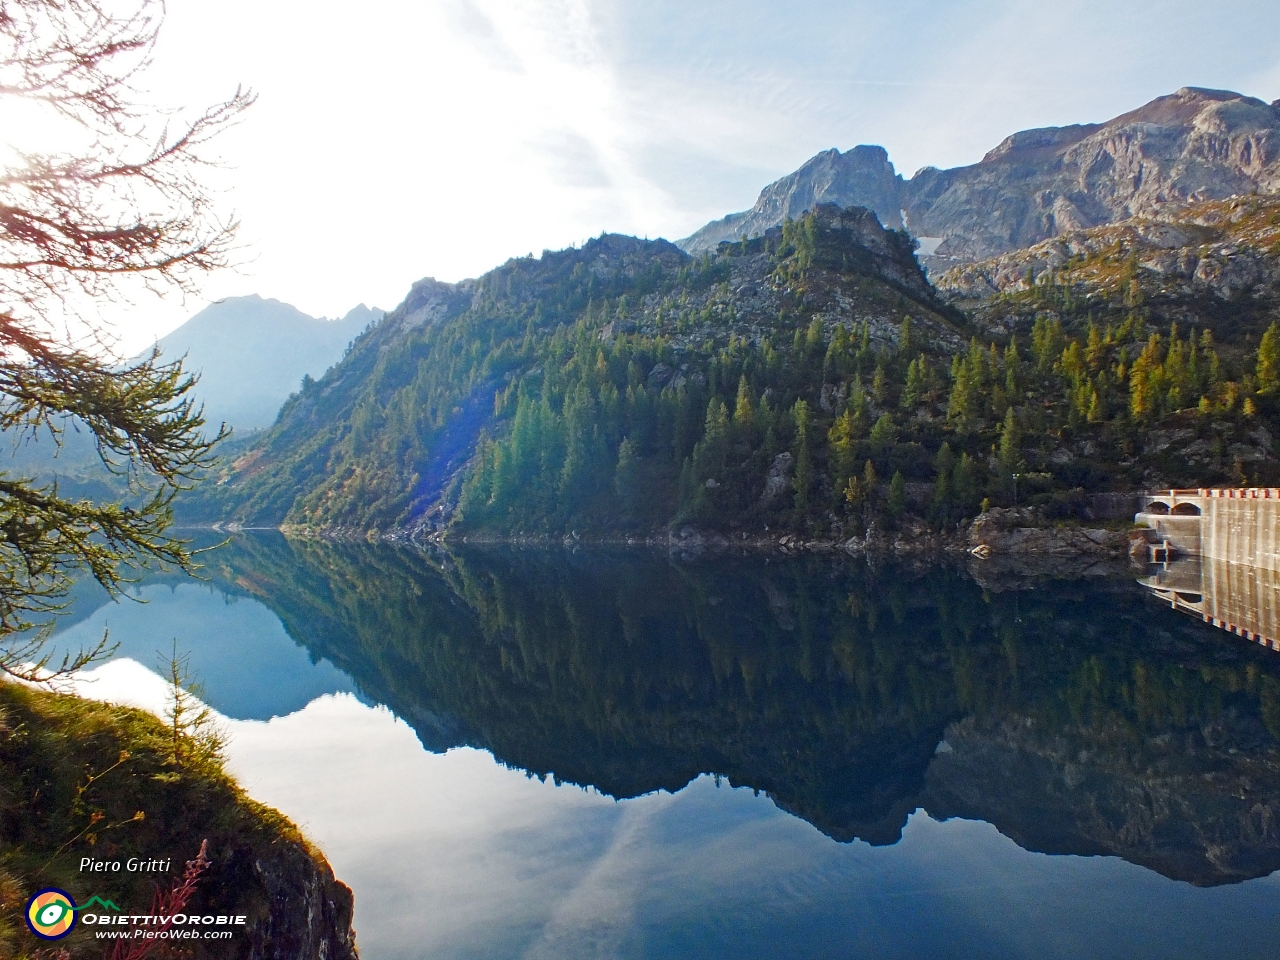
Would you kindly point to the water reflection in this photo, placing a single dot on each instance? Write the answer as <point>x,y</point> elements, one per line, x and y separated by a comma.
<point>247,665</point>
<point>1236,597</point>
<point>939,726</point>
<point>1073,718</point>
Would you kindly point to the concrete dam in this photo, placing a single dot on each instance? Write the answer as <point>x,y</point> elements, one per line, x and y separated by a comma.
<point>1218,557</point>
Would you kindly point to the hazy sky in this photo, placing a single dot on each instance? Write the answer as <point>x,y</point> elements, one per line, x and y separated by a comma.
<point>394,139</point>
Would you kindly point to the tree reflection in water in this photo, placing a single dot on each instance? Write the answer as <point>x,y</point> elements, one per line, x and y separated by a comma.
<point>1074,715</point>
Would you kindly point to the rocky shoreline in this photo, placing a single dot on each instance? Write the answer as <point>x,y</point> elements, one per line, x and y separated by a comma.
<point>1014,532</point>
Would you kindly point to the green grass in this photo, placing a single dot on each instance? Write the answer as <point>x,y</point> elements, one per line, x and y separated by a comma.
<point>85,779</point>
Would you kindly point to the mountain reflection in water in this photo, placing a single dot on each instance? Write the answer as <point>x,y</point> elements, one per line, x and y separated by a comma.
<point>1075,716</point>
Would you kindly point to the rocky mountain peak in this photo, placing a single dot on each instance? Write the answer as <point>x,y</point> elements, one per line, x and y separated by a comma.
<point>1192,145</point>
<point>1036,144</point>
<point>862,177</point>
<point>428,300</point>
<point>1183,105</point>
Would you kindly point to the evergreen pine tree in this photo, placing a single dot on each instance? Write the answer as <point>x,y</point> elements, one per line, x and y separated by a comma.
<point>744,414</point>
<point>964,485</point>
<point>626,479</point>
<point>943,466</point>
<point>906,345</point>
<point>1268,369</point>
<point>1010,442</point>
<point>913,391</point>
<point>841,441</point>
<point>803,479</point>
<point>897,502</point>
<point>882,433</point>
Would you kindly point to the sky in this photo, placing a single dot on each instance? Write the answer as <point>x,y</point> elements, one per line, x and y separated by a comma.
<point>397,139</point>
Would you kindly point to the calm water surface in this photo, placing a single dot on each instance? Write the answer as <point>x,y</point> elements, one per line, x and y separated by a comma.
<point>592,754</point>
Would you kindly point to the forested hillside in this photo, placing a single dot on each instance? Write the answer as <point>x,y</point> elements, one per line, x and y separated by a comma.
<point>808,380</point>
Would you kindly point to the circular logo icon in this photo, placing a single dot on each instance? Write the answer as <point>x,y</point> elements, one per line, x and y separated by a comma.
<point>51,914</point>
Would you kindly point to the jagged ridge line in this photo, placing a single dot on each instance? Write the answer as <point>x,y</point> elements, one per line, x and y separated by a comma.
<point>106,904</point>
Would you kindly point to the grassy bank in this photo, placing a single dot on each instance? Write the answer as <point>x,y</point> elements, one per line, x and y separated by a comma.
<point>81,779</point>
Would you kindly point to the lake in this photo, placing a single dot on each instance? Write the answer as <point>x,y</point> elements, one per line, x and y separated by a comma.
<point>596,753</point>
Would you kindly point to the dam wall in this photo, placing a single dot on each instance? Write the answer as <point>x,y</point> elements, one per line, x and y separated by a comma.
<point>1225,551</point>
<point>1238,525</point>
<point>1243,529</point>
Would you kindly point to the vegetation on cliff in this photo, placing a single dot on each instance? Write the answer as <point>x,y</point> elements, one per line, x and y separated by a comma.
<point>84,779</point>
<point>809,380</point>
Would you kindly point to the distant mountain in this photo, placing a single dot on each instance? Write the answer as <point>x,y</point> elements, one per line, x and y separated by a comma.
<point>1192,145</point>
<point>252,353</point>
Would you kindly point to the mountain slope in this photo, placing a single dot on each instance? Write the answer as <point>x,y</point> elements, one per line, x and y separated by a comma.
<point>809,382</point>
<point>1194,144</point>
<point>621,338</point>
<point>1224,253</point>
<point>1212,266</point>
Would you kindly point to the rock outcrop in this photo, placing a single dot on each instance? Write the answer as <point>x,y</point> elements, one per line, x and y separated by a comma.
<point>309,913</point>
<point>1023,531</point>
<point>861,177</point>
<point>1192,145</point>
<point>1226,250</point>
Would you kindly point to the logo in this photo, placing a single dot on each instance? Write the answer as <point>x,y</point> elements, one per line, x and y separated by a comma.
<point>51,914</point>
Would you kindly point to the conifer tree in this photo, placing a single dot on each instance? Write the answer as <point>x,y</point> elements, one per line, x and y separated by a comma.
<point>126,207</point>
<point>913,390</point>
<point>835,365</point>
<point>1268,367</point>
<point>896,504</point>
<point>870,480</point>
<point>857,406</point>
<point>882,433</point>
<point>964,484</point>
<point>711,451</point>
<point>880,385</point>
<point>744,414</point>
<point>626,478</point>
<point>803,479</point>
<point>842,444</point>
<point>943,466</point>
<point>1010,442</point>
